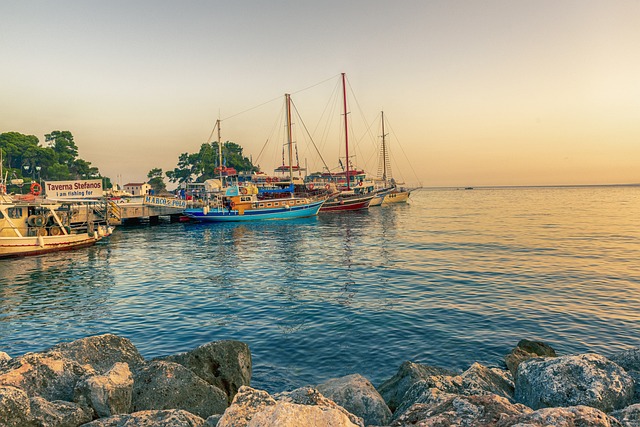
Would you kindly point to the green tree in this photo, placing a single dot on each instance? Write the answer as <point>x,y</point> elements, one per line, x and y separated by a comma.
<point>156,181</point>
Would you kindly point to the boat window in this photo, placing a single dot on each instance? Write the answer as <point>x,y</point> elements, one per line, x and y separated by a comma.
<point>276,204</point>
<point>261,205</point>
<point>268,205</point>
<point>15,213</point>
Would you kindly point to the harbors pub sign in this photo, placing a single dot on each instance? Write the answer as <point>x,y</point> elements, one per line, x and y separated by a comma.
<point>73,189</point>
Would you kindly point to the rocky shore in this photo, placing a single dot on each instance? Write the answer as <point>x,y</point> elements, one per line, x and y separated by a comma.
<point>103,381</point>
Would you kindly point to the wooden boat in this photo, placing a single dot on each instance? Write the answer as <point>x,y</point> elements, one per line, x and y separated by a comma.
<point>247,203</point>
<point>33,226</point>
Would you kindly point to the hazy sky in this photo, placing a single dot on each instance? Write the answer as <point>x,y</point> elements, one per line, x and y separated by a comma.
<point>476,92</point>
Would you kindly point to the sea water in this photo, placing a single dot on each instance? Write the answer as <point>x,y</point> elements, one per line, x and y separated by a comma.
<point>453,277</point>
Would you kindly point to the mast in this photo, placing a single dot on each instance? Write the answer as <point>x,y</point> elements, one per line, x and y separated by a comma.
<point>346,127</point>
<point>384,152</point>
<point>219,151</point>
<point>287,98</point>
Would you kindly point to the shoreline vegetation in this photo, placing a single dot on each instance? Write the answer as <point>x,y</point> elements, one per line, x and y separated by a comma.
<point>103,381</point>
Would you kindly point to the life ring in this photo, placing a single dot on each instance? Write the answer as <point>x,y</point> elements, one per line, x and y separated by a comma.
<point>360,183</point>
<point>311,186</point>
<point>36,189</point>
<point>327,186</point>
<point>268,180</point>
<point>232,204</point>
<point>244,190</point>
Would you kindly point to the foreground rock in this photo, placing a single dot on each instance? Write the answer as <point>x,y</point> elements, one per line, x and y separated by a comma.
<point>168,418</point>
<point>15,409</point>
<point>526,350</point>
<point>629,416</point>
<point>59,413</point>
<point>224,364</point>
<point>108,394</point>
<point>586,379</point>
<point>357,395</point>
<point>575,416</point>
<point>256,408</point>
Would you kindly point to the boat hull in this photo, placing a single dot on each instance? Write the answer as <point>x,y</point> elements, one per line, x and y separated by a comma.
<point>23,246</point>
<point>225,215</point>
<point>346,205</point>
<point>399,197</point>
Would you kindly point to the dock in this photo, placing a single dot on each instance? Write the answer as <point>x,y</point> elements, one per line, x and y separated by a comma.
<point>148,208</point>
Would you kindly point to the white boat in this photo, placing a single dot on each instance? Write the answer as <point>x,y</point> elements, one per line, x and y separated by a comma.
<point>33,226</point>
<point>389,192</point>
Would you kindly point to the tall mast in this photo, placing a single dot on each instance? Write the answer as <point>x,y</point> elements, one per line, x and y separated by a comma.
<point>219,150</point>
<point>346,127</point>
<point>384,152</point>
<point>287,98</point>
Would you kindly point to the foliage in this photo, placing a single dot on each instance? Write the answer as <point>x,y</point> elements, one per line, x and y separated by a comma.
<point>156,181</point>
<point>24,157</point>
<point>201,166</point>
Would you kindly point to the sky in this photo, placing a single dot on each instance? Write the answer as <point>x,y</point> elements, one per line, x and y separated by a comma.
<point>476,92</point>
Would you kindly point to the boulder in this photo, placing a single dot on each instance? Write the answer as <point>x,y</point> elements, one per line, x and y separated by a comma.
<point>168,418</point>
<point>574,416</point>
<point>59,413</point>
<point>256,408</point>
<point>585,379</point>
<point>224,364</point>
<point>629,359</point>
<point>629,416</point>
<point>4,357</point>
<point>526,350</point>
<point>409,373</point>
<point>49,375</point>
<point>15,408</point>
<point>456,410</point>
<point>312,397</point>
<point>108,394</point>
<point>212,421</point>
<point>164,385</point>
<point>358,396</point>
<point>101,352</point>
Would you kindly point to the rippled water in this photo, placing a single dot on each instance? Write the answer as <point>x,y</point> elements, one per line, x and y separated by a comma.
<point>451,278</point>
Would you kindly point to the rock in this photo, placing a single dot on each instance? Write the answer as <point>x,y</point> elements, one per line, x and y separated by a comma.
<point>212,421</point>
<point>108,394</point>
<point>409,373</point>
<point>585,379</point>
<point>101,352</point>
<point>165,385</point>
<point>526,350</point>
<point>477,380</point>
<point>629,360</point>
<point>15,409</point>
<point>312,397</point>
<point>168,418</point>
<point>59,413</point>
<point>629,416</point>
<point>256,408</point>
<point>49,375</point>
<point>4,357</point>
<point>574,416</point>
<point>358,396</point>
<point>224,364</point>
<point>468,411</point>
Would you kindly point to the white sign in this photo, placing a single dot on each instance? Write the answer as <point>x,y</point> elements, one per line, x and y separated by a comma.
<point>165,201</point>
<point>73,189</point>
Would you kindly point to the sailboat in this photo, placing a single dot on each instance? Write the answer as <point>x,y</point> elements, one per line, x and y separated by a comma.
<point>247,203</point>
<point>353,194</point>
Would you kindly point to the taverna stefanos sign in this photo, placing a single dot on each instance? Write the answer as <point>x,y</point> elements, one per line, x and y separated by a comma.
<point>73,189</point>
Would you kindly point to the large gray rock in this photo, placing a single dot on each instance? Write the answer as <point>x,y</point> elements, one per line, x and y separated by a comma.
<point>465,411</point>
<point>629,359</point>
<point>585,379</point>
<point>409,373</point>
<point>477,380</point>
<point>357,395</point>
<point>224,364</point>
<point>168,418</point>
<point>59,413</point>
<point>574,416</point>
<point>49,375</point>
<point>629,416</point>
<point>108,394</point>
<point>165,385</point>
<point>15,408</point>
<point>255,408</point>
<point>526,350</point>
<point>101,352</point>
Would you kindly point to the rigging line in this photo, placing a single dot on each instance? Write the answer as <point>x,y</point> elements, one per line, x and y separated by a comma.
<point>310,137</point>
<point>273,129</point>
<point>367,131</point>
<point>317,84</point>
<point>211,134</point>
<point>402,149</point>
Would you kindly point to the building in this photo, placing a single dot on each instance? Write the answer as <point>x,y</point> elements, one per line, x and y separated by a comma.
<point>137,189</point>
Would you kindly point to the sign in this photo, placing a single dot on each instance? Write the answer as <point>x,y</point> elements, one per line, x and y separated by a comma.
<point>165,201</point>
<point>73,189</point>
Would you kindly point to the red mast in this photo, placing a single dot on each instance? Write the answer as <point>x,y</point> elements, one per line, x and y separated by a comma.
<point>346,128</point>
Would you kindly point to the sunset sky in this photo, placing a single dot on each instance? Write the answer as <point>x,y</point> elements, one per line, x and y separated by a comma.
<point>476,92</point>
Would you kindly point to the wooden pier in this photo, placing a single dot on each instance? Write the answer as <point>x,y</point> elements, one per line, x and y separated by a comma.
<point>149,208</point>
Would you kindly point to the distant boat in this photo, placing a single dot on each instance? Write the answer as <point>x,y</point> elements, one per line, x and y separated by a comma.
<point>390,193</point>
<point>249,203</point>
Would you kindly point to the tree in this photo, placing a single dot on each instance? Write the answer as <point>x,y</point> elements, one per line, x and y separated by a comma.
<point>156,181</point>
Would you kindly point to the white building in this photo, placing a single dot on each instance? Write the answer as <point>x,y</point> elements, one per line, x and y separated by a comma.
<point>137,189</point>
